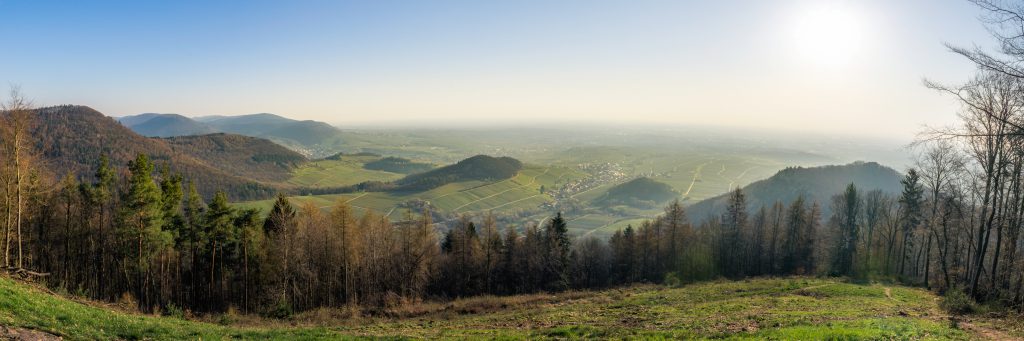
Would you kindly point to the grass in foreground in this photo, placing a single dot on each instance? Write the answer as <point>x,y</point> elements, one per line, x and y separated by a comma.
<point>781,309</point>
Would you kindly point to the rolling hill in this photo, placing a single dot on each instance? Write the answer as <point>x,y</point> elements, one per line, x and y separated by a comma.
<point>478,168</point>
<point>72,139</point>
<point>642,192</point>
<point>814,183</point>
<point>398,165</point>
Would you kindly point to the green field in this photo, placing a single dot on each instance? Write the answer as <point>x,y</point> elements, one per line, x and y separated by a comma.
<point>775,309</point>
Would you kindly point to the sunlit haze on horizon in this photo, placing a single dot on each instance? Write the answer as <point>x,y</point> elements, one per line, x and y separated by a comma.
<point>827,66</point>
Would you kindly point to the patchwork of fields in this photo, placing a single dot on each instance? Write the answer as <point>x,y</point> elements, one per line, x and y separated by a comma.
<point>521,191</point>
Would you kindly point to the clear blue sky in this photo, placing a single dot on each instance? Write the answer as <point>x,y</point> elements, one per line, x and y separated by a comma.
<point>743,63</point>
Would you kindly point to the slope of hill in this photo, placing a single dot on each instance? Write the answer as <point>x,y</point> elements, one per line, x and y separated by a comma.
<point>641,192</point>
<point>480,168</point>
<point>815,184</point>
<point>72,139</point>
<point>165,125</point>
<point>246,156</point>
<point>778,309</point>
<point>307,133</point>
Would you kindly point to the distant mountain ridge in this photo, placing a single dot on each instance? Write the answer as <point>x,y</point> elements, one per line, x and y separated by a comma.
<point>166,125</point>
<point>305,132</point>
<point>302,136</point>
<point>72,138</point>
<point>814,183</point>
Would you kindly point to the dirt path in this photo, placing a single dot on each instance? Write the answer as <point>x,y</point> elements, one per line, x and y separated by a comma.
<point>696,176</point>
<point>9,333</point>
<point>986,333</point>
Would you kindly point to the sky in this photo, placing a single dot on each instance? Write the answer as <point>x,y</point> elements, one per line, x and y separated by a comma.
<point>829,66</point>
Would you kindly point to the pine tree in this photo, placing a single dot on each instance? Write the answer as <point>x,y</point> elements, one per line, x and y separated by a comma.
<point>846,210</point>
<point>910,201</point>
<point>731,243</point>
<point>557,244</point>
<point>221,236</point>
<point>793,259</point>
<point>141,221</point>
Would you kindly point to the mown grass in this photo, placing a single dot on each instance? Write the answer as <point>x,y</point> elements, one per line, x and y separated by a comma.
<point>774,309</point>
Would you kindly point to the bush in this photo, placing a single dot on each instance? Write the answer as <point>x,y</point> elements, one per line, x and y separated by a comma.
<point>956,301</point>
<point>672,280</point>
<point>174,311</point>
<point>281,311</point>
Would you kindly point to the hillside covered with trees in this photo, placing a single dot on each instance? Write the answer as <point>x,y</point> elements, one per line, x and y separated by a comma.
<point>642,192</point>
<point>71,140</point>
<point>812,183</point>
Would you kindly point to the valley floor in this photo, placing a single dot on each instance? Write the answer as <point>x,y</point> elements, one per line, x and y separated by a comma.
<point>783,309</point>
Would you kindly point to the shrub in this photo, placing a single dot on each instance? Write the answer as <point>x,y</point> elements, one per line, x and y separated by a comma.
<point>174,311</point>
<point>672,280</point>
<point>956,301</point>
<point>281,311</point>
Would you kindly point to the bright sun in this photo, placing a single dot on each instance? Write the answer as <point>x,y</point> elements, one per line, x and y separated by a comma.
<point>827,35</point>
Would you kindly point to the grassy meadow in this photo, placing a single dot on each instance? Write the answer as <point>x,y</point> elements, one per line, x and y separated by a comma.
<point>776,309</point>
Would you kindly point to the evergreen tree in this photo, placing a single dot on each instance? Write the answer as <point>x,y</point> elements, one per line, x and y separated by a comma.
<point>141,219</point>
<point>557,247</point>
<point>731,243</point>
<point>846,208</point>
<point>221,238</point>
<point>793,261</point>
<point>911,205</point>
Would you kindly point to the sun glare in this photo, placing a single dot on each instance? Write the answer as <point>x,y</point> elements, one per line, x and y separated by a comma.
<point>827,35</point>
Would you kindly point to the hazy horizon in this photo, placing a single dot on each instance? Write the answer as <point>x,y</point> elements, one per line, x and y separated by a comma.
<point>834,67</point>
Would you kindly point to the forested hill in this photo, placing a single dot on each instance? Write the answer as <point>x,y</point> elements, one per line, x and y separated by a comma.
<point>72,139</point>
<point>815,184</point>
<point>480,167</point>
<point>641,192</point>
<point>398,165</point>
<point>250,157</point>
